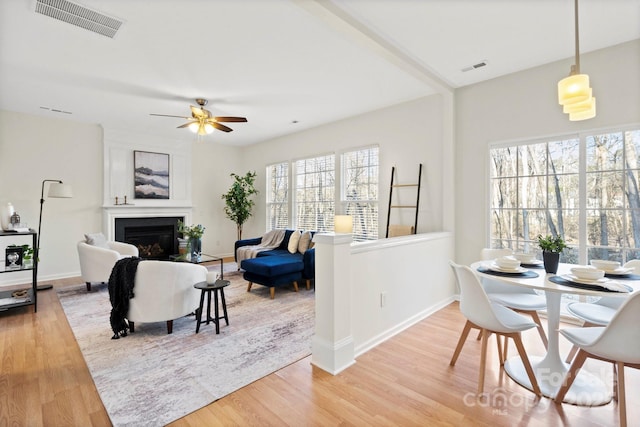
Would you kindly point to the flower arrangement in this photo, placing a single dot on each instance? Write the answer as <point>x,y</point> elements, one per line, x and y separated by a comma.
<point>191,231</point>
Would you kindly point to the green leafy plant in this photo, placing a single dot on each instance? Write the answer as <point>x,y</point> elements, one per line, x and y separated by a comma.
<point>190,231</point>
<point>551,244</point>
<point>238,199</point>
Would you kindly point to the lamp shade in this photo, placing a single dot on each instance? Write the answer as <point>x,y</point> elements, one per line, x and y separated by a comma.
<point>60,190</point>
<point>343,224</point>
<point>574,88</point>
<point>579,107</point>
<point>584,114</point>
<point>193,127</point>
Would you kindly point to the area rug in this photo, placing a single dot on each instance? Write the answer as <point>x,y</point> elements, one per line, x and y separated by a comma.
<point>150,378</point>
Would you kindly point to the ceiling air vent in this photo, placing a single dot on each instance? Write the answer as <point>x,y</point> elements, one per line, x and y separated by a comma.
<point>80,16</point>
<point>475,66</point>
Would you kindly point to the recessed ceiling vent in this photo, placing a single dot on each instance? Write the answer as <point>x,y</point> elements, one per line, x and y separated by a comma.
<point>80,16</point>
<point>475,66</point>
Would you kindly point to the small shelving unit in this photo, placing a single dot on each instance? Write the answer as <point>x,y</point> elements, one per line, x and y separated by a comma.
<point>7,301</point>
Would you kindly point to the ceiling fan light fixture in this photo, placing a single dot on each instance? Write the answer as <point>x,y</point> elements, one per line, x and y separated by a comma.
<point>193,127</point>
<point>208,128</point>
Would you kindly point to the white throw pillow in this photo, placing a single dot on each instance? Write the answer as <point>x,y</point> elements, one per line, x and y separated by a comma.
<point>303,244</point>
<point>97,239</point>
<point>293,241</point>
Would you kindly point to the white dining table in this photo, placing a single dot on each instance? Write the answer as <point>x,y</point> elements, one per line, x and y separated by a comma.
<point>550,369</point>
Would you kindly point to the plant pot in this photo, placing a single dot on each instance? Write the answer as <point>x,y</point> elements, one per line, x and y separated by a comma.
<point>551,261</point>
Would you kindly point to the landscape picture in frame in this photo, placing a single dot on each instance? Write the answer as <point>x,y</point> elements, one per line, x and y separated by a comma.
<point>151,175</point>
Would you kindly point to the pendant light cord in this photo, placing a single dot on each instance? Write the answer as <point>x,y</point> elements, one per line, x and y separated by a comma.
<point>577,71</point>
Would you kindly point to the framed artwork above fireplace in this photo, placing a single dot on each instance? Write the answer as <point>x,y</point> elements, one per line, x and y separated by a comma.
<point>151,175</point>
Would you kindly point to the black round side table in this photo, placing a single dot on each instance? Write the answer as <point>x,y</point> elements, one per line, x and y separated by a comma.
<point>206,288</point>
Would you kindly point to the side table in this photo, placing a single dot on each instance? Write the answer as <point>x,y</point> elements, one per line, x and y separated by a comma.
<point>207,288</point>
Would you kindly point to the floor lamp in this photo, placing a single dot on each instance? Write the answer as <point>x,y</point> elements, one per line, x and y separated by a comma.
<point>56,190</point>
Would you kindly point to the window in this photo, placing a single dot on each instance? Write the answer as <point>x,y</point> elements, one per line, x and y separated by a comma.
<point>359,195</point>
<point>314,181</point>
<point>278,196</point>
<point>545,188</point>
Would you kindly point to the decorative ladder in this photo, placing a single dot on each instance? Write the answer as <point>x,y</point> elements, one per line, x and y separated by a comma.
<point>391,206</point>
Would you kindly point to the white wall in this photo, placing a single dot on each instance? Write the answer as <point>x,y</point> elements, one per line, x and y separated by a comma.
<point>407,134</point>
<point>33,149</point>
<point>524,105</point>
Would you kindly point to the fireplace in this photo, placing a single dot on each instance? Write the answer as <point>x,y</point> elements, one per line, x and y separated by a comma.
<point>155,237</point>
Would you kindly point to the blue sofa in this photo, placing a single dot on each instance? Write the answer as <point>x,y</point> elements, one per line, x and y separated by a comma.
<point>277,267</point>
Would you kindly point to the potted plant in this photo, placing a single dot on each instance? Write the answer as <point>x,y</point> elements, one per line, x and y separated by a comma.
<point>551,248</point>
<point>238,203</point>
<point>194,235</point>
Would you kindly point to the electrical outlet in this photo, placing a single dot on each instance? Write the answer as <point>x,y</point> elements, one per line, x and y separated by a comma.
<point>383,299</point>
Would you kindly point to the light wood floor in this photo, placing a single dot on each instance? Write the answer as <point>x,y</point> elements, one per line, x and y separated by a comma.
<point>406,381</point>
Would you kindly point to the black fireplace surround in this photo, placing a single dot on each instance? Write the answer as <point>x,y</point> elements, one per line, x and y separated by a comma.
<point>155,237</point>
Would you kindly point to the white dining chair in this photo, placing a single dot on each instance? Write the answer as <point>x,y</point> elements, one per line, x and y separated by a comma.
<point>522,300</point>
<point>600,312</point>
<point>618,343</point>
<point>490,318</point>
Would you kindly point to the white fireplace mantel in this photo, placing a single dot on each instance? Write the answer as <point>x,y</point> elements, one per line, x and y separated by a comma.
<point>111,213</point>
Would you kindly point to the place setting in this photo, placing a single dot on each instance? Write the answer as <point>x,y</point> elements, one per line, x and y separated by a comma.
<point>589,277</point>
<point>508,266</point>
<point>613,269</point>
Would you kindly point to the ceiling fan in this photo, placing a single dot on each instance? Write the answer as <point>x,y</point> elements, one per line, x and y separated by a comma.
<point>201,120</point>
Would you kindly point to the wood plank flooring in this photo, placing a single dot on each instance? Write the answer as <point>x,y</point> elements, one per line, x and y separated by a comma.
<point>406,381</point>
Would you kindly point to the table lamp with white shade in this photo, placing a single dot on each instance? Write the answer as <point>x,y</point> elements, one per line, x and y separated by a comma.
<point>57,190</point>
<point>343,224</point>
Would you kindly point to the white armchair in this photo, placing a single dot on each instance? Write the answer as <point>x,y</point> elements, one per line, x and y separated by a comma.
<point>164,291</point>
<point>96,262</point>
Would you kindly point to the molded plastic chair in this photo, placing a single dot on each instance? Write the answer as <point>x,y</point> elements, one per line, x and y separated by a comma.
<point>522,300</point>
<point>490,318</point>
<point>618,343</point>
<point>600,312</point>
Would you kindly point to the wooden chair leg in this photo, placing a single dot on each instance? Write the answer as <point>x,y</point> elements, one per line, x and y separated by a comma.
<point>479,335</point>
<point>483,360</point>
<point>517,339</point>
<point>295,286</point>
<point>169,327</point>
<point>571,375</point>
<point>463,338</point>
<point>543,336</point>
<point>249,286</point>
<point>622,402</point>
<point>499,342</point>
<point>272,292</point>
<point>308,284</point>
<point>615,382</point>
<point>571,354</point>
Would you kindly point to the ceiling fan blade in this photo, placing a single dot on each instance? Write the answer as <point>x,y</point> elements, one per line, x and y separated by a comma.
<point>169,115</point>
<point>230,119</point>
<point>186,124</point>
<point>219,126</point>
<point>198,113</point>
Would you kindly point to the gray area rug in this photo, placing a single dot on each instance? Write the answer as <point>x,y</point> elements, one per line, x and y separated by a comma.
<point>150,378</point>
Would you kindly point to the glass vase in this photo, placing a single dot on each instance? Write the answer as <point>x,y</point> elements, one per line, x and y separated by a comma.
<point>195,248</point>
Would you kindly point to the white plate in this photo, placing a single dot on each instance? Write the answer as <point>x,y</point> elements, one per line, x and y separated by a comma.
<point>620,271</point>
<point>573,278</point>
<point>532,262</point>
<point>499,269</point>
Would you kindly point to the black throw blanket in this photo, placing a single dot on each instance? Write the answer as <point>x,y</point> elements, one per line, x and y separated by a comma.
<point>121,283</point>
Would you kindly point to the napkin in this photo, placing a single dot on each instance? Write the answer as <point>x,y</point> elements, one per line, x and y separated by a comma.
<point>614,286</point>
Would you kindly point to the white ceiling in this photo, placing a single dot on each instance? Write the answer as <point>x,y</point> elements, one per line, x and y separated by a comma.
<point>280,61</point>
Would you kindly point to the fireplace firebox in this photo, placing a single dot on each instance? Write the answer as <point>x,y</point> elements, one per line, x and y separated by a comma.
<point>155,237</point>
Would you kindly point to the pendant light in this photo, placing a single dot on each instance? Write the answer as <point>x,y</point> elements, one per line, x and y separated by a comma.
<point>574,93</point>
